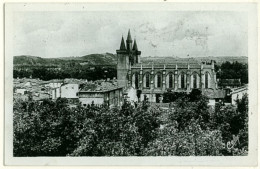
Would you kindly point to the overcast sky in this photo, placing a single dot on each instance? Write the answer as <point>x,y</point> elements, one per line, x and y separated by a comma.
<point>158,33</point>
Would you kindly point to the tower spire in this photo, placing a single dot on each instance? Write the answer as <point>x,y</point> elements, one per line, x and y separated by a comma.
<point>129,41</point>
<point>135,46</point>
<point>122,46</point>
<point>129,38</point>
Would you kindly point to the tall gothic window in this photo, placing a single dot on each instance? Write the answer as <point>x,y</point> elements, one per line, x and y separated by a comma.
<point>207,80</point>
<point>195,81</point>
<point>170,81</point>
<point>182,81</point>
<point>147,80</point>
<point>159,80</point>
<point>136,81</point>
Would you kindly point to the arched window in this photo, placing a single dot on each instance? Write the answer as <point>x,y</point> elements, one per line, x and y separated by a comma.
<point>135,80</point>
<point>146,80</point>
<point>170,81</point>
<point>158,80</point>
<point>207,80</point>
<point>195,81</point>
<point>182,81</point>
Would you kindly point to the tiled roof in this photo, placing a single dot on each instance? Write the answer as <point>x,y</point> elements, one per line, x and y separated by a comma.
<point>214,94</point>
<point>239,89</point>
<point>169,62</point>
<point>99,86</point>
<point>229,82</point>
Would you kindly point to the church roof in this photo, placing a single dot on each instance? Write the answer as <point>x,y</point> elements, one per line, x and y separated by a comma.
<point>169,63</point>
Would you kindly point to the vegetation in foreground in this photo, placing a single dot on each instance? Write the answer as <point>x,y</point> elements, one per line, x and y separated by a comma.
<point>189,129</point>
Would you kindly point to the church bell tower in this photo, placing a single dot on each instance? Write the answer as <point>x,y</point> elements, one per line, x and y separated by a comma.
<point>127,56</point>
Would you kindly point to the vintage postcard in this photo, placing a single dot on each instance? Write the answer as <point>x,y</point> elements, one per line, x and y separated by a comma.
<point>169,84</point>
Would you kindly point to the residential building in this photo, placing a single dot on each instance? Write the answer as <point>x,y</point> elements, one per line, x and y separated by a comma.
<point>101,93</point>
<point>238,93</point>
<point>229,83</point>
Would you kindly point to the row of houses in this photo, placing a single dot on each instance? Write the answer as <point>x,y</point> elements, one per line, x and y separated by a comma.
<point>76,91</point>
<point>98,92</point>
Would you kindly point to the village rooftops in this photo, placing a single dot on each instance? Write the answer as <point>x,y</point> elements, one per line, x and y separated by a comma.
<point>239,89</point>
<point>229,82</point>
<point>99,86</point>
<point>217,94</point>
<point>73,81</point>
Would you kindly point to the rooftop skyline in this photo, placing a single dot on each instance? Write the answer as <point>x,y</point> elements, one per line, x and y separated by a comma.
<point>157,33</point>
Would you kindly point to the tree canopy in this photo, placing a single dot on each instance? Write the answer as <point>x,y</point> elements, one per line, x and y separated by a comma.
<point>52,128</point>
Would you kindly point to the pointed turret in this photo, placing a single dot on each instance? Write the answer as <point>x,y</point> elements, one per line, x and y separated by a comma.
<point>135,46</point>
<point>129,38</point>
<point>129,41</point>
<point>122,46</point>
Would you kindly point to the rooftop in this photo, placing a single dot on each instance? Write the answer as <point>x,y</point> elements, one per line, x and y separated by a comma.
<point>170,62</point>
<point>229,82</point>
<point>99,86</point>
<point>214,94</point>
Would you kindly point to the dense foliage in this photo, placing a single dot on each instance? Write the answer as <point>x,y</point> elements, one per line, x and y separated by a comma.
<point>171,96</point>
<point>233,70</point>
<point>72,71</point>
<point>51,128</point>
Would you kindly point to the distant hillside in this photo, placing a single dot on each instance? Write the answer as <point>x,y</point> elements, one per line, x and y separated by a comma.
<point>110,59</point>
<point>29,60</point>
<point>93,59</point>
<point>219,59</point>
<point>100,59</point>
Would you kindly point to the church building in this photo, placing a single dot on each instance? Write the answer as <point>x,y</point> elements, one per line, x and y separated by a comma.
<point>154,78</point>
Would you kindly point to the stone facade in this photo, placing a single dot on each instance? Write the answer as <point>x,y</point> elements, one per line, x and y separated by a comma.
<point>154,78</point>
<point>113,97</point>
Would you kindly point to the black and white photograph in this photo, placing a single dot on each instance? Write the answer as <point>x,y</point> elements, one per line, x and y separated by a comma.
<point>133,80</point>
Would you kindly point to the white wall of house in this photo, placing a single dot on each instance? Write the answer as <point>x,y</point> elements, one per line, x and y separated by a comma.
<point>21,91</point>
<point>55,93</point>
<point>212,102</point>
<point>131,95</point>
<point>54,84</point>
<point>69,90</point>
<point>86,101</point>
<point>237,95</point>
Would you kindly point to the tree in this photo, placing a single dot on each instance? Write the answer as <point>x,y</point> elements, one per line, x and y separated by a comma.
<point>233,70</point>
<point>232,121</point>
<point>190,141</point>
<point>43,129</point>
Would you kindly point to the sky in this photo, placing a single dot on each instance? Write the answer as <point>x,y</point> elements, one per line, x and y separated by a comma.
<point>158,33</point>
